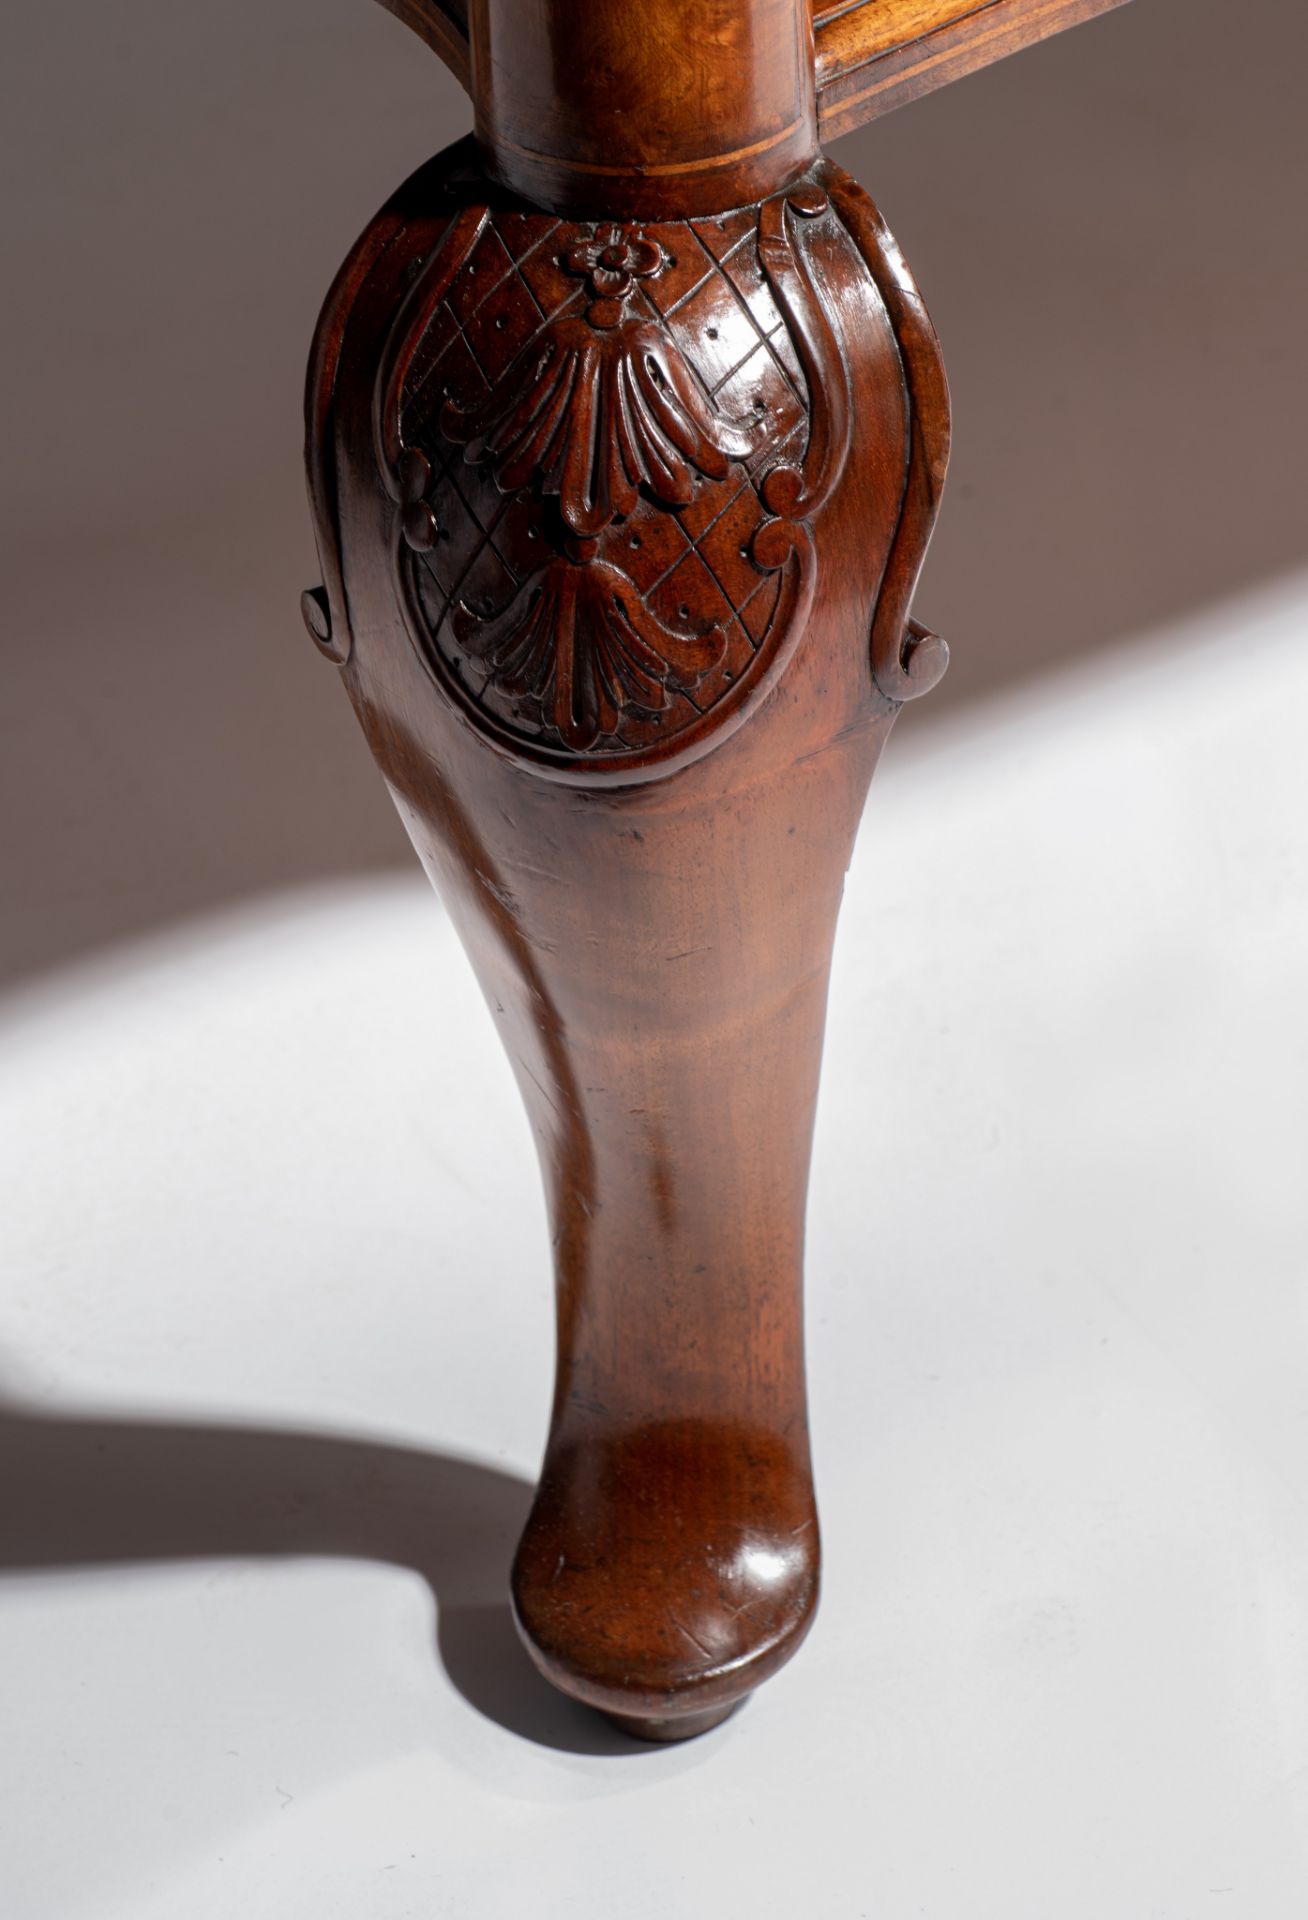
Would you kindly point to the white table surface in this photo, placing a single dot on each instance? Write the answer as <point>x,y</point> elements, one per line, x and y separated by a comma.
<point>275,1344</point>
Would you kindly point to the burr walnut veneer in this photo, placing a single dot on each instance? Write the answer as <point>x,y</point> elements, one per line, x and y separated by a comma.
<point>626,430</point>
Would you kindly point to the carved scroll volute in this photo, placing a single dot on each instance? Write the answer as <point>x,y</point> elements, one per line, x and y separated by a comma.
<point>612,506</point>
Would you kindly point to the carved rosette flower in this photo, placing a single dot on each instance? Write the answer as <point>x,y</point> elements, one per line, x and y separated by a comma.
<point>611,261</point>
<point>595,417</point>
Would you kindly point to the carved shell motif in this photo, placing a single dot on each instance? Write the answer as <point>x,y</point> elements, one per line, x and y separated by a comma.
<point>605,443</point>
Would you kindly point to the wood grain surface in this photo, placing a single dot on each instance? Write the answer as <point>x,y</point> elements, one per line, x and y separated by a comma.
<point>620,524</point>
<point>627,430</point>
<point>872,55</point>
<point>879,54</point>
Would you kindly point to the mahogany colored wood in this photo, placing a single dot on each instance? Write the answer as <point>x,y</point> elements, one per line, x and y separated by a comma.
<point>874,56</point>
<point>871,55</point>
<point>626,433</point>
<point>631,110</point>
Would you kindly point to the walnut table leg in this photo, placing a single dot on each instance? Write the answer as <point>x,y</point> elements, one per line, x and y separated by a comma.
<point>626,430</point>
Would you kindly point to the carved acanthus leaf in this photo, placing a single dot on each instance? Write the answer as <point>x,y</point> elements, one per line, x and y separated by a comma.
<point>597,415</point>
<point>581,641</point>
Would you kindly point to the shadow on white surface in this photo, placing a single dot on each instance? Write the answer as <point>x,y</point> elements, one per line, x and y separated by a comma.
<point>277,1325</point>
<point>80,1493</point>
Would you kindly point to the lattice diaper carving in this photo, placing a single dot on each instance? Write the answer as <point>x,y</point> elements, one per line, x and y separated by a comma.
<point>605,442</point>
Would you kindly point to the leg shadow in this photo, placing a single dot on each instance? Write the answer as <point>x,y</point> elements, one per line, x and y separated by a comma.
<point>99,1492</point>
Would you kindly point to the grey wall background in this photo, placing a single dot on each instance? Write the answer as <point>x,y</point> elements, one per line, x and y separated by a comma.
<point>1109,231</point>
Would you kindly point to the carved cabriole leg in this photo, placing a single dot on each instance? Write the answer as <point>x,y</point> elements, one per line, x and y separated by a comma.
<point>620,519</point>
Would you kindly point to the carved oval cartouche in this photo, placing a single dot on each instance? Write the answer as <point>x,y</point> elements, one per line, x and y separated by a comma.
<point>605,442</point>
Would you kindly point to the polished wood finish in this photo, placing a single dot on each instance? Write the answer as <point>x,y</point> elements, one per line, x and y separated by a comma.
<point>627,110</point>
<point>639,813</point>
<point>871,55</point>
<point>880,54</point>
<point>626,434</point>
